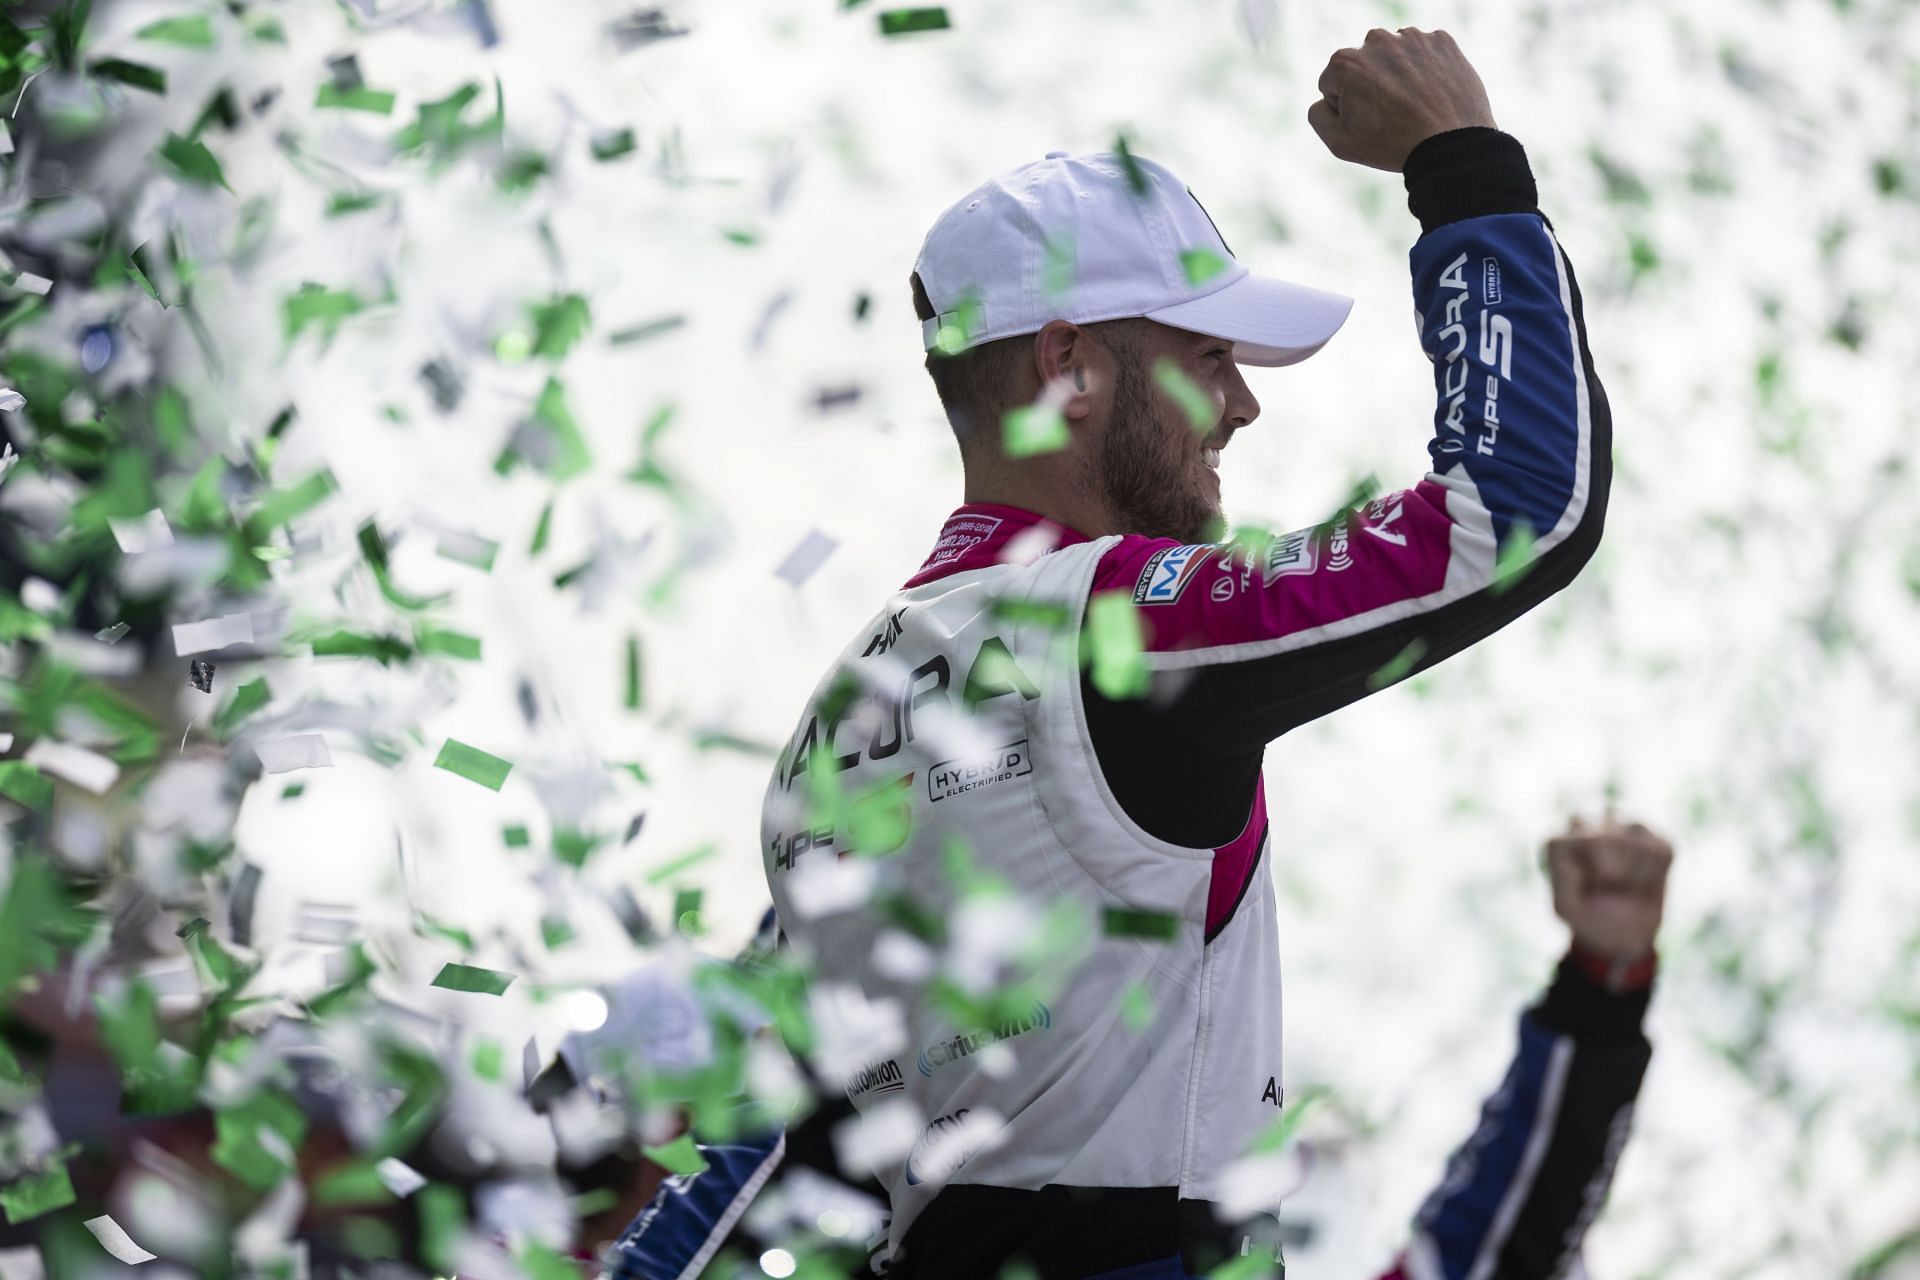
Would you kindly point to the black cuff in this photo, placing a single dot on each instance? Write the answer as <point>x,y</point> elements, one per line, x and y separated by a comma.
<point>1575,1005</point>
<point>1467,173</point>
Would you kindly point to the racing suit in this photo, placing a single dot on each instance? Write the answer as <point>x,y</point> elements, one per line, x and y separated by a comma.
<point>1515,1203</point>
<point>961,739</point>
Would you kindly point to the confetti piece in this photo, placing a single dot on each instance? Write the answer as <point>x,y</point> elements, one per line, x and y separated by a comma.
<point>1181,389</point>
<point>1117,646</point>
<point>896,22</point>
<point>514,837</point>
<point>681,1156</point>
<point>661,874</point>
<point>641,332</point>
<point>135,74</point>
<point>255,1140</point>
<point>1398,667</point>
<point>400,1178</point>
<point>28,282</point>
<point>36,1194</point>
<point>1201,264</point>
<point>24,783</point>
<point>8,458</point>
<point>301,751</point>
<point>193,31</point>
<point>1515,558</point>
<point>86,769</point>
<point>359,98</point>
<point>190,158</point>
<point>467,977</point>
<point>612,144</point>
<point>6,742</point>
<point>804,559</point>
<point>475,765</point>
<point>632,672</point>
<point>212,633</point>
<point>11,400</point>
<point>454,644</point>
<point>115,1240</point>
<point>246,700</point>
<point>1136,176</point>
<point>642,27</point>
<point>467,548</point>
<point>1033,429</point>
<point>1125,922</point>
<point>200,674</point>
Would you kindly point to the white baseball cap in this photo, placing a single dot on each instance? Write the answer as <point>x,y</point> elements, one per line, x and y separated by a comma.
<point>1069,238</point>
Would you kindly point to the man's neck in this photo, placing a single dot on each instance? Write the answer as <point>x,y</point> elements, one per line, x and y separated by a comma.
<point>1089,520</point>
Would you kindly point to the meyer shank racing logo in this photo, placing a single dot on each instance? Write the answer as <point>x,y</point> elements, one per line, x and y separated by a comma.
<point>941,1052</point>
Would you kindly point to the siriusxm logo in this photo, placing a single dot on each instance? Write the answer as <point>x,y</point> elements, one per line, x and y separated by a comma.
<point>956,777</point>
<point>941,1052</point>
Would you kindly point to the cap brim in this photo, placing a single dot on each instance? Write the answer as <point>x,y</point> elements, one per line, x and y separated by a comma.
<point>1270,322</point>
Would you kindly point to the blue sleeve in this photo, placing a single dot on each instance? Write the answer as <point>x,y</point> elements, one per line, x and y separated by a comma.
<point>691,1215</point>
<point>1519,1195</point>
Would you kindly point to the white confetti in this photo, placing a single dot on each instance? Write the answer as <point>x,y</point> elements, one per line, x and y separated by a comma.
<point>90,656</point>
<point>879,1135</point>
<point>398,1177</point>
<point>31,283</point>
<point>83,768</point>
<point>301,751</point>
<point>1259,17</point>
<point>822,888</point>
<point>11,400</point>
<point>8,460</point>
<point>805,558</point>
<point>6,742</point>
<point>114,1239</point>
<point>143,534</point>
<point>39,595</point>
<point>212,633</point>
<point>1030,544</point>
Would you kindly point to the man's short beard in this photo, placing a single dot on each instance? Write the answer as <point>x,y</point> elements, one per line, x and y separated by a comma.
<point>1148,491</point>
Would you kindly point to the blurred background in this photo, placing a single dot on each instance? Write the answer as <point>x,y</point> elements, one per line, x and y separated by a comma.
<point>542,379</point>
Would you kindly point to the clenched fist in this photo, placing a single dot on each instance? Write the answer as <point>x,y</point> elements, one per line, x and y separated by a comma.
<point>1393,93</point>
<point>1609,885</point>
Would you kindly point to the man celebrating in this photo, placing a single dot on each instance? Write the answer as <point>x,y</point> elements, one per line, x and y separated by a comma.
<point>1032,888</point>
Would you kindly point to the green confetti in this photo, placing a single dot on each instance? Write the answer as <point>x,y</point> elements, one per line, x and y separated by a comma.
<point>443,1220</point>
<point>1128,922</point>
<point>357,98</point>
<point>293,791</point>
<point>257,1140</point>
<point>1397,669</point>
<point>559,324</point>
<point>958,330</point>
<point>669,870</point>
<point>451,933</point>
<point>1279,1131</point>
<point>358,644</point>
<point>190,31</point>
<point>468,977</point>
<point>880,820</point>
<point>681,1156</point>
<point>478,552</point>
<point>317,304</point>
<point>571,456</point>
<point>574,847</point>
<point>1136,176</point>
<point>1116,646</point>
<point>612,145</point>
<point>190,158</point>
<point>283,505</point>
<point>489,1060</point>
<point>555,932</point>
<point>1192,401</point>
<point>475,765</point>
<point>541,530</point>
<point>1032,429</point>
<point>1201,265</point>
<point>351,1182</point>
<point>1059,273</point>
<point>455,644</point>
<point>632,697</point>
<point>136,74</point>
<point>37,1194</point>
<point>1516,557</point>
<point>1137,1009</point>
<point>342,202</point>
<point>25,783</point>
<point>514,837</point>
<point>641,332</point>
